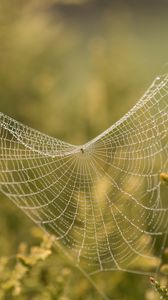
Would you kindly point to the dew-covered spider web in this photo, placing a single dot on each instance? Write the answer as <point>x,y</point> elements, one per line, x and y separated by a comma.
<point>104,200</point>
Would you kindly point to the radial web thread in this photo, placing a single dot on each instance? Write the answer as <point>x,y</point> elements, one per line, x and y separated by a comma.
<point>103,201</point>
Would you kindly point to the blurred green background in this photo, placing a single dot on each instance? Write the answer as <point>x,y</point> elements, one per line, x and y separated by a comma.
<point>71,69</point>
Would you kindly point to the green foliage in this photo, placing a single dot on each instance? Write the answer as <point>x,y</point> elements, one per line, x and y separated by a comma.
<point>162,291</point>
<point>12,277</point>
<point>41,273</point>
<point>164,178</point>
<point>70,75</point>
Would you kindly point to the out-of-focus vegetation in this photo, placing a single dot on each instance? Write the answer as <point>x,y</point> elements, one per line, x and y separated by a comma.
<point>39,273</point>
<point>71,69</point>
<point>162,291</point>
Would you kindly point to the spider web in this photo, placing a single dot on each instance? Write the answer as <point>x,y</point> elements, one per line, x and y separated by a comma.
<point>103,201</point>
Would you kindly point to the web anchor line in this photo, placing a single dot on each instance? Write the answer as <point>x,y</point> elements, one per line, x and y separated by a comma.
<point>105,201</point>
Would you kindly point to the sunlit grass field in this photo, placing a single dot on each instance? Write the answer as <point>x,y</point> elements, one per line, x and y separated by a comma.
<point>71,69</point>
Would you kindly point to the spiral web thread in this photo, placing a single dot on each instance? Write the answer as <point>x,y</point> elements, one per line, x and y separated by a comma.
<point>103,201</point>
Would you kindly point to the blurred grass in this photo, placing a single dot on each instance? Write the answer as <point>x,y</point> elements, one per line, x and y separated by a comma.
<point>71,70</point>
